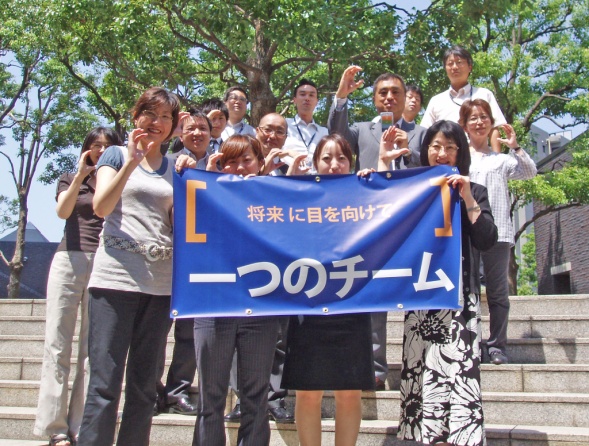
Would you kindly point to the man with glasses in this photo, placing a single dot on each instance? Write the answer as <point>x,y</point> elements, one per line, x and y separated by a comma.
<point>271,133</point>
<point>364,137</point>
<point>303,132</point>
<point>236,100</point>
<point>446,105</point>
<point>173,397</point>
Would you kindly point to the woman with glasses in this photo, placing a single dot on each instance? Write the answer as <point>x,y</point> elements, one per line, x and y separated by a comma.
<point>458,64</point>
<point>130,284</point>
<point>66,292</point>
<point>440,379</point>
<point>493,170</point>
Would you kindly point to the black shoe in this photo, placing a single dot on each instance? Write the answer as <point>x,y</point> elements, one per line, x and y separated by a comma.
<point>280,415</point>
<point>159,406</point>
<point>183,406</point>
<point>498,357</point>
<point>234,415</point>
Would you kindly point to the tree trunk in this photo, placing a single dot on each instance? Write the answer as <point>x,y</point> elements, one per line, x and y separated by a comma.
<point>16,264</point>
<point>513,269</point>
<point>263,100</point>
<point>261,95</point>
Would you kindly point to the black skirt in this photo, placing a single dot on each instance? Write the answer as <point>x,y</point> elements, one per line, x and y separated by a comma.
<point>329,353</point>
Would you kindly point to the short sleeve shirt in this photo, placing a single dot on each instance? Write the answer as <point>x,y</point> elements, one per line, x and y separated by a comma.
<point>82,227</point>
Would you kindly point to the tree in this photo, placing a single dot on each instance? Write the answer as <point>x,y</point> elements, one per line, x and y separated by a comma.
<point>48,117</point>
<point>565,186</point>
<point>189,48</point>
<point>527,279</point>
<point>534,56</point>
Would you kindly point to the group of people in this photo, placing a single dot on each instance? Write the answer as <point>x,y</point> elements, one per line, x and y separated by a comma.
<point>115,262</point>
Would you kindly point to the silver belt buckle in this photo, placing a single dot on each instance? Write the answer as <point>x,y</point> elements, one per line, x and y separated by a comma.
<point>153,247</point>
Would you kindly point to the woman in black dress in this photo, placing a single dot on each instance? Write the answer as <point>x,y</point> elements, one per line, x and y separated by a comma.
<point>329,352</point>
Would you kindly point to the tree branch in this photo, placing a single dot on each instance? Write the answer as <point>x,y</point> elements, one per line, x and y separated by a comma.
<point>111,111</point>
<point>26,80</point>
<point>542,213</point>
<point>11,167</point>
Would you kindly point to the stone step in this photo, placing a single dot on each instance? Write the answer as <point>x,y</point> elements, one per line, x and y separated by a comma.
<point>520,351</point>
<point>29,369</point>
<point>543,409</point>
<point>554,378</point>
<point>22,307</point>
<point>535,408</point>
<point>547,378</point>
<point>565,304</point>
<point>31,346</point>
<point>25,325</point>
<point>525,351</point>
<point>16,426</point>
<point>543,326</point>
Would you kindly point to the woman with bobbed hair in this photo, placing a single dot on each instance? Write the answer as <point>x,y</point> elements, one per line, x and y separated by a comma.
<point>217,338</point>
<point>66,292</point>
<point>238,155</point>
<point>440,379</point>
<point>131,281</point>
<point>493,170</point>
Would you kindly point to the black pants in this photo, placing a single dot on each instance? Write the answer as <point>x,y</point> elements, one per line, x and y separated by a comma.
<point>123,323</point>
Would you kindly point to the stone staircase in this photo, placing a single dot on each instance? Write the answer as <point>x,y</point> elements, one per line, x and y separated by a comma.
<point>540,399</point>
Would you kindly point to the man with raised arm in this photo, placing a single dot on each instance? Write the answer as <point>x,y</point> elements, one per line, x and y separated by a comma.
<point>364,137</point>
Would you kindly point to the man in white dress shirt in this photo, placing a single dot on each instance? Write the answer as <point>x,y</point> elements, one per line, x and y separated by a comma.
<point>236,100</point>
<point>303,132</point>
<point>446,105</point>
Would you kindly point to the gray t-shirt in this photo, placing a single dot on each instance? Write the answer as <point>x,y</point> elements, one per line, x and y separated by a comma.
<point>142,214</point>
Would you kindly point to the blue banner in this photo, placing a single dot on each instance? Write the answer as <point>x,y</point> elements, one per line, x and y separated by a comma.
<point>315,244</point>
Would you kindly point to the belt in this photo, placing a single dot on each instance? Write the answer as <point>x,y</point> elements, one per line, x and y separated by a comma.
<point>151,251</point>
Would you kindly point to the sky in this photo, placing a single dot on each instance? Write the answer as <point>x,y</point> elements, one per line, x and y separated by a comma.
<point>42,198</point>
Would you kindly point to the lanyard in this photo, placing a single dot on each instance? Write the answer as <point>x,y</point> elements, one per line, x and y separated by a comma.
<point>460,105</point>
<point>303,138</point>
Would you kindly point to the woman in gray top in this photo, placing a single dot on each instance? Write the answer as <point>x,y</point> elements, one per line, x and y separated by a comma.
<point>130,285</point>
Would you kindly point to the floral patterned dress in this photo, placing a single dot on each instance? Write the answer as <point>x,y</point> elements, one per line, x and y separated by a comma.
<point>440,380</point>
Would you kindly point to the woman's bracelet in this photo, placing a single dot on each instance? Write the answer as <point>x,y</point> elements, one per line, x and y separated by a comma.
<point>515,149</point>
<point>473,209</point>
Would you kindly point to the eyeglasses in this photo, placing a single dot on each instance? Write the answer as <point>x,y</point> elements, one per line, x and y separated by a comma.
<point>437,148</point>
<point>235,98</point>
<point>152,116</point>
<point>458,62</point>
<point>474,119</point>
<point>268,131</point>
